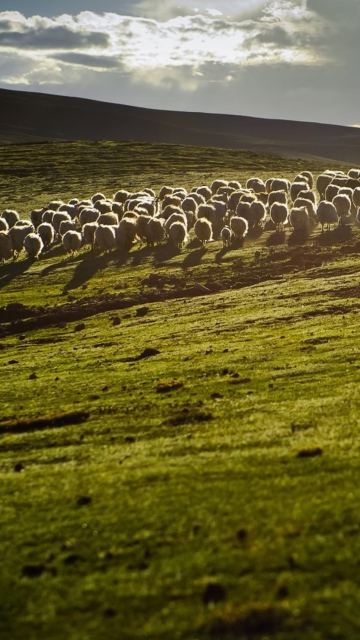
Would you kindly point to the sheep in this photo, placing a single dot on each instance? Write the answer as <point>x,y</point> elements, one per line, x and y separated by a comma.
<point>199,199</point>
<point>48,216</point>
<point>71,242</point>
<point>125,233</point>
<point>189,204</point>
<point>150,192</point>
<point>234,199</point>
<point>66,225</point>
<point>224,191</point>
<point>33,245</point>
<point>268,184</point>
<point>117,208</point>
<point>280,184</point>
<point>257,213</point>
<point>150,206</point>
<point>205,192</point>
<point>279,196</point>
<point>24,223</point>
<point>203,231</point>
<point>326,214</point>
<point>226,236</point>
<point>47,234</point>
<point>342,204</point>
<point>74,201</point>
<point>207,211</point>
<point>242,209</point>
<point>307,195</point>
<point>121,195</point>
<point>216,184</point>
<point>279,214</point>
<point>308,177</point>
<point>256,185</point>
<point>175,200</point>
<point>87,215</point>
<point>165,191</point>
<point>71,209</point>
<point>109,219</point>
<point>178,234</point>
<point>340,181</point>
<point>6,249</point>
<point>154,231</point>
<point>36,217</point>
<point>55,205</point>
<point>331,191</point>
<point>104,206</point>
<point>105,237</point>
<point>234,184</point>
<point>354,173</point>
<point>18,235</point>
<point>97,196</point>
<point>3,225</point>
<point>169,210</point>
<point>10,216</point>
<point>356,197</point>
<point>88,233</point>
<point>140,225</point>
<point>295,189</point>
<point>322,181</point>
<point>299,219</point>
<point>239,226</point>
<point>175,217</point>
<point>309,206</point>
<point>58,217</point>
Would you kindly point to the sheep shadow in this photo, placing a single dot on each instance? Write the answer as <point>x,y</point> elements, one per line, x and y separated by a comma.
<point>276,238</point>
<point>87,268</point>
<point>9,271</point>
<point>194,258</point>
<point>141,254</point>
<point>220,254</point>
<point>298,237</point>
<point>340,234</point>
<point>254,234</point>
<point>164,252</point>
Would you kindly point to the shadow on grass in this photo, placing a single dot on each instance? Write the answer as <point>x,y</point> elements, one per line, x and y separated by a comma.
<point>164,252</point>
<point>254,234</point>
<point>90,265</point>
<point>194,258</point>
<point>340,234</point>
<point>13,269</point>
<point>298,236</point>
<point>276,238</point>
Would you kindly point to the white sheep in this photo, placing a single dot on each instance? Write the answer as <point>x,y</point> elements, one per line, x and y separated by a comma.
<point>296,187</point>
<point>97,196</point>
<point>36,217</point>
<point>257,213</point>
<point>356,197</point>
<point>309,178</point>
<point>226,236</point>
<point>189,204</point>
<point>216,184</point>
<point>3,225</point>
<point>309,206</point>
<point>239,226</point>
<point>24,223</point>
<point>58,217</point>
<point>242,209</point>
<point>33,245</point>
<point>307,195</point>
<point>165,191</point>
<point>108,219</point>
<point>125,233</point>
<point>203,230</point>
<point>71,242</point>
<point>299,219</point>
<point>342,204</point>
<point>256,184</point>
<point>55,205</point>
<point>175,217</point>
<point>11,216</point>
<point>354,173</point>
<point>105,237</point>
<point>178,234</point>
<point>322,181</point>
<point>279,214</point>
<point>199,199</point>
<point>88,214</point>
<point>104,206</point>
<point>154,231</point>
<point>18,235</point>
<point>205,192</point>
<point>66,225</point>
<point>47,234</point>
<point>6,250</point>
<point>207,211</point>
<point>88,233</point>
<point>140,224</point>
<point>121,195</point>
<point>326,214</point>
<point>169,210</point>
<point>48,215</point>
<point>277,196</point>
<point>331,191</point>
<point>280,184</point>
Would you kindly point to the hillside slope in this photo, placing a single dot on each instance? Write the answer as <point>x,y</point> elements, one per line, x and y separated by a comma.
<point>31,117</point>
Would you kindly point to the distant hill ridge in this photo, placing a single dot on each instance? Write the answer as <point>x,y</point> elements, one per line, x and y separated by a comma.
<point>31,117</point>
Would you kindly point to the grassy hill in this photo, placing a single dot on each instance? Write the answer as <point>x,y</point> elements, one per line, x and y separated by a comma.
<point>30,117</point>
<point>176,464</point>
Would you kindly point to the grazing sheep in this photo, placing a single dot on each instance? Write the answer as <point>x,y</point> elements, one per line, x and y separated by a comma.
<point>121,196</point>
<point>71,242</point>
<point>177,234</point>
<point>3,225</point>
<point>97,196</point>
<point>234,184</point>
<point>277,196</point>
<point>11,217</point>
<point>36,217</point>
<point>71,209</point>
<point>24,223</point>
<point>256,185</point>
<point>66,225</point>
<point>356,197</point>
<point>47,234</point>
<point>226,236</point>
<point>175,217</point>
<point>109,219</point>
<point>150,192</point>
<point>126,233</point>
<point>268,184</point>
<point>354,173</point>
<point>203,230</point>
<point>118,208</point>
<point>280,184</point>
<point>140,224</point>
<point>33,245</point>
<point>340,181</point>
<point>74,201</point>
<point>18,235</point>
<point>299,219</point>
<point>175,200</point>
<point>205,192</point>
<point>48,216</point>
<point>326,214</point>
<point>165,191</point>
<point>154,231</point>
<point>199,199</point>
<point>295,189</point>
<point>224,191</point>
<point>242,209</point>
<point>331,191</point>
<point>308,177</point>
<point>55,205</point>
<point>58,217</point>
<point>207,211</point>
<point>104,206</point>
<point>256,214</point>
<point>323,181</point>
<point>88,233</point>
<point>216,184</point>
<point>307,195</point>
<point>309,206</point>
<point>342,204</point>
<point>189,204</point>
<point>239,226</point>
<point>88,214</point>
<point>169,210</point>
<point>279,214</point>
<point>105,237</point>
<point>234,199</point>
<point>6,250</point>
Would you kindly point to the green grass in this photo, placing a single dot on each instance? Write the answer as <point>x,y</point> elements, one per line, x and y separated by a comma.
<point>241,472</point>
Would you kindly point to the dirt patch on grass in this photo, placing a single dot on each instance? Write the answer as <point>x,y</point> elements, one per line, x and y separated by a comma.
<point>26,425</point>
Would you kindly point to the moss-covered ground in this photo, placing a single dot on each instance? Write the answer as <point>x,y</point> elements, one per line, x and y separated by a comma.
<point>176,464</point>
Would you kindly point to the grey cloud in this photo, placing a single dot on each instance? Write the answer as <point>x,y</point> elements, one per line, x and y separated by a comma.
<point>52,38</point>
<point>339,11</point>
<point>87,60</point>
<point>276,35</point>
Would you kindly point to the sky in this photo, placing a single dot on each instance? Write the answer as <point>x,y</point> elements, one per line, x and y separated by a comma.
<point>288,59</point>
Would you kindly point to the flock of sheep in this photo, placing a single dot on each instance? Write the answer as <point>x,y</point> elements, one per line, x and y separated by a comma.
<point>224,209</point>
